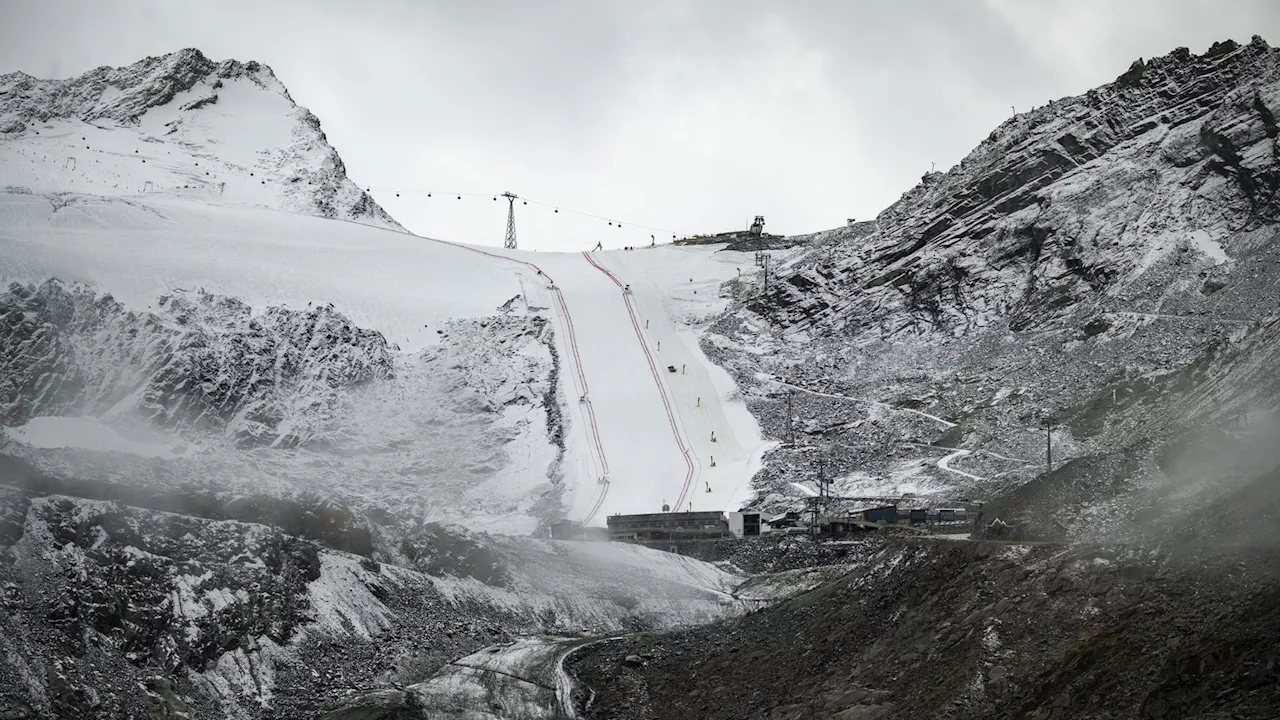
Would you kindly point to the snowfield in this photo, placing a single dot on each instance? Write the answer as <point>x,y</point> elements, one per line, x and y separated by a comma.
<point>87,434</point>
<point>414,291</point>
<point>183,177</point>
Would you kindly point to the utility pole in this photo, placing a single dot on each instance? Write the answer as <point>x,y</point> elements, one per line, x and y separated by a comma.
<point>510,242</point>
<point>766,273</point>
<point>1048,445</point>
<point>1047,418</point>
<point>817,501</point>
<point>791,429</point>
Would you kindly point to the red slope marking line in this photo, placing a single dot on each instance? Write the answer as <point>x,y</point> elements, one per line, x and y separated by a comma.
<point>591,411</point>
<point>657,379</point>
<point>573,345</point>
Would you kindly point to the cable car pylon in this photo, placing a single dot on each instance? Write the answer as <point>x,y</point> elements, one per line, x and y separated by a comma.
<point>510,242</point>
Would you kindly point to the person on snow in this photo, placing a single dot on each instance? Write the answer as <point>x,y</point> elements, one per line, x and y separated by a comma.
<point>599,246</point>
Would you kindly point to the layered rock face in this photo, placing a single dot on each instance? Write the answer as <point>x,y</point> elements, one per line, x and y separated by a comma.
<point>1068,201</point>
<point>1105,264</point>
<point>236,117</point>
<point>120,94</point>
<point>200,361</point>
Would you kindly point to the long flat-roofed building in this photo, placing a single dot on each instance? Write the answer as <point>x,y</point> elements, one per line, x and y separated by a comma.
<point>668,526</point>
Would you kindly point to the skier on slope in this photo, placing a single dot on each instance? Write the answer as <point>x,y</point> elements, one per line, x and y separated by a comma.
<point>599,246</point>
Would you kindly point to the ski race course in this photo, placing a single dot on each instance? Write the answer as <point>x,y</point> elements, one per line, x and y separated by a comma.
<point>653,427</point>
<point>638,435</point>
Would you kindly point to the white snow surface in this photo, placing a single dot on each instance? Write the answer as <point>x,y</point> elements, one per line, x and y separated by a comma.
<point>138,247</point>
<point>572,587</point>
<point>523,679</point>
<point>87,434</point>
<point>628,340</point>
<point>1210,247</point>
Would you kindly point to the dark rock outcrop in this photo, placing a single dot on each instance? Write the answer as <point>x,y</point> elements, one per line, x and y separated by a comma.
<point>1107,261</point>
<point>1060,203</point>
<point>200,360</point>
<point>936,629</point>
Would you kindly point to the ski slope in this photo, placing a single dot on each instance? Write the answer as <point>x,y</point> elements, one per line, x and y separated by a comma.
<point>642,430</point>
<point>671,289</point>
<point>644,433</point>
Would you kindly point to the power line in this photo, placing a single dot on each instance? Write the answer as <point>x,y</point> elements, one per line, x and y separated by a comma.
<point>610,220</point>
<point>525,200</point>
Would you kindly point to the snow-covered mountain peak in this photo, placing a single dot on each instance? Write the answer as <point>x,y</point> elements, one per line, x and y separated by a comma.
<point>179,124</point>
<point>122,94</point>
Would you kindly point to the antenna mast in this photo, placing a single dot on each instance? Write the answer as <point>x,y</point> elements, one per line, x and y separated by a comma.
<point>510,242</point>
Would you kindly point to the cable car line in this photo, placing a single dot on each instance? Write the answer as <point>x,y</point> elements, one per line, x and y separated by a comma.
<point>556,209</point>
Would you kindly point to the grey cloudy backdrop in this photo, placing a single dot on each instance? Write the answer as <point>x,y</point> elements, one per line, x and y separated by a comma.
<point>686,115</point>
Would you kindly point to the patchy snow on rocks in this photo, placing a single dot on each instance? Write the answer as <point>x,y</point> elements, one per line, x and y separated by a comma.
<point>176,125</point>
<point>1092,264</point>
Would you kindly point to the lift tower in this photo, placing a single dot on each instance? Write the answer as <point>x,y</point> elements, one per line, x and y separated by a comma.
<point>510,242</point>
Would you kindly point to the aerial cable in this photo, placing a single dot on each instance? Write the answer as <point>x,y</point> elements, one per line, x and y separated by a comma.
<point>525,201</point>
<point>558,208</point>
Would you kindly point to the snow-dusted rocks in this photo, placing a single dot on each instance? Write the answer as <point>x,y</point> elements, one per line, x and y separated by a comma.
<point>1060,203</point>
<point>200,361</point>
<point>108,609</point>
<point>237,398</point>
<point>1104,261</point>
<point>180,123</point>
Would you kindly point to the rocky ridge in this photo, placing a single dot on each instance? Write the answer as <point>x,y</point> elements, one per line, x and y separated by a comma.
<point>1071,200</point>
<point>200,361</point>
<point>166,101</point>
<point>1101,263</point>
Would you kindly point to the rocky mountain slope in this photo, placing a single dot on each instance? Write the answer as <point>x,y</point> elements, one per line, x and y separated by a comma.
<point>179,124</point>
<point>212,392</point>
<point>958,630</point>
<point>1105,263</point>
<point>202,361</point>
<point>1104,267</point>
<point>115,610</point>
<point>1101,273</point>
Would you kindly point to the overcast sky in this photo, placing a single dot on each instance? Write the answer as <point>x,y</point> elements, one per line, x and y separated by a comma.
<point>685,115</point>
